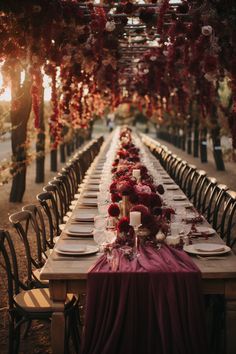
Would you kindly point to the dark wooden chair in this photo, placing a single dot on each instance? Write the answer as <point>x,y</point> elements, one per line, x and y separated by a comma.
<point>49,206</point>
<point>228,219</point>
<point>30,236</point>
<point>206,189</point>
<point>215,204</point>
<point>26,304</point>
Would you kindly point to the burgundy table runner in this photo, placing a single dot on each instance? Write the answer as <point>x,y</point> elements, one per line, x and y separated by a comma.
<point>152,304</point>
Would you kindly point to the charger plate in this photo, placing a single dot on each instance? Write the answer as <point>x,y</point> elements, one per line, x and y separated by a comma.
<point>207,249</point>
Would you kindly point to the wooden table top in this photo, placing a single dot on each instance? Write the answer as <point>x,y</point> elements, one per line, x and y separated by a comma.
<point>60,267</point>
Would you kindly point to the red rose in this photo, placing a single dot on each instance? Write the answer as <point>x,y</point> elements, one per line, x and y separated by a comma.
<point>113,187</point>
<point>123,225</point>
<point>114,210</point>
<point>115,197</point>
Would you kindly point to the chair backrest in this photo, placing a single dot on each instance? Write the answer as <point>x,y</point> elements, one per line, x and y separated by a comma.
<point>37,215</point>
<point>48,203</point>
<point>186,180</point>
<point>174,168</point>
<point>195,182</point>
<point>181,172</point>
<point>57,191</point>
<point>220,202</point>
<point>207,188</point>
<point>8,262</point>
<point>28,231</point>
<point>228,218</point>
<point>72,179</point>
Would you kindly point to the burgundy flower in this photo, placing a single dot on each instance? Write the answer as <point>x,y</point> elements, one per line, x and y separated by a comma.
<point>125,187</point>
<point>114,210</point>
<point>113,187</point>
<point>144,198</point>
<point>160,189</point>
<point>157,211</point>
<point>155,200</point>
<point>133,198</point>
<point>115,197</point>
<point>123,225</point>
<point>167,212</point>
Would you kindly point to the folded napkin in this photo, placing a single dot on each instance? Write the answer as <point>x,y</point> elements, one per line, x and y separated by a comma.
<point>209,247</point>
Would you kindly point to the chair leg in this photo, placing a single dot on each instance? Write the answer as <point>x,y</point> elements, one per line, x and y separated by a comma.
<point>75,335</point>
<point>27,328</point>
<point>11,340</point>
<point>17,339</point>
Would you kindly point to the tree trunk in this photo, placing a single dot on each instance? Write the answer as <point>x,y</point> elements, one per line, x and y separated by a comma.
<point>196,139</point>
<point>40,145</point>
<point>216,141</point>
<point>62,153</point>
<point>189,136</point>
<point>20,113</point>
<point>72,149</point>
<point>68,149</point>
<point>53,160</point>
<point>77,140</point>
<point>203,145</point>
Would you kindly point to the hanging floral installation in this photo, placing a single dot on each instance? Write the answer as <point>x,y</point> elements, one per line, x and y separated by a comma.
<point>163,54</point>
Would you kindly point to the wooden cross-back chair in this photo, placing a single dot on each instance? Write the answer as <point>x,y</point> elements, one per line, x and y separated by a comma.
<point>228,219</point>
<point>206,189</point>
<point>57,192</point>
<point>28,230</point>
<point>26,304</point>
<point>49,206</point>
<point>215,203</point>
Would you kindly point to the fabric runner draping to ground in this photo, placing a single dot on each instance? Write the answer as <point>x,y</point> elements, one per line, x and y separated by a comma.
<point>151,304</point>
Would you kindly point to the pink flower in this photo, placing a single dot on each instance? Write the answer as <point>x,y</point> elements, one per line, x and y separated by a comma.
<point>142,188</point>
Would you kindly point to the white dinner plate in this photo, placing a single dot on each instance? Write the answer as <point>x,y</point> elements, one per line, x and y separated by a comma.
<point>75,249</point>
<point>88,201</point>
<point>92,187</point>
<point>90,194</point>
<point>84,214</point>
<point>80,230</point>
<point>205,230</point>
<point>207,249</point>
<point>179,197</point>
<point>172,188</point>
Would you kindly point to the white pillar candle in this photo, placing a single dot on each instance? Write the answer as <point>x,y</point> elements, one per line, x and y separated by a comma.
<point>136,173</point>
<point>135,218</point>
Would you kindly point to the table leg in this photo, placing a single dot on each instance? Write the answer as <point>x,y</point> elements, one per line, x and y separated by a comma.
<point>58,296</point>
<point>230,309</point>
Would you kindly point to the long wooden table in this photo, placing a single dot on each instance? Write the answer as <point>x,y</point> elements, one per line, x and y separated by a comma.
<point>69,275</point>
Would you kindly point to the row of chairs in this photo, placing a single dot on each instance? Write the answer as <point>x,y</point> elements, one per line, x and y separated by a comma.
<point>38,227</point>
<point>212,199</point>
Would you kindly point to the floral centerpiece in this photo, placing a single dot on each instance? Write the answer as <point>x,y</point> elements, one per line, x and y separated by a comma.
<point>136,194</point>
